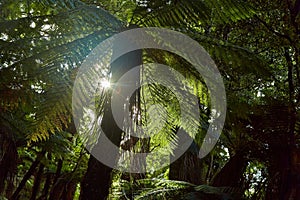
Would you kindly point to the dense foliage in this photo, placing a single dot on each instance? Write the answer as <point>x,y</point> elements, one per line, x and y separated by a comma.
<point>255,45</point>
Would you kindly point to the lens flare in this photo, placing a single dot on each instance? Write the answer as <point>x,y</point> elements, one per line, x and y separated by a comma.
<point>105,83</point>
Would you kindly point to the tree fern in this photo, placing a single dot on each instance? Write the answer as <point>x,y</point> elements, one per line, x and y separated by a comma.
<point>46,53</point>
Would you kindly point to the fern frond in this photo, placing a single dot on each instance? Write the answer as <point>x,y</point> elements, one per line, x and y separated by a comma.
<point>194,12</point>
<point>43,59</point>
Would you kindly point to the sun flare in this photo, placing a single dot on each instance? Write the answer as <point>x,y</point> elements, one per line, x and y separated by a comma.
<point>105,83</point>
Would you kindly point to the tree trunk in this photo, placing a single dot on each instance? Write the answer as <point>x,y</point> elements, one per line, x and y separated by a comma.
<point>57,190</point>
<point>15,196</point>
<point>69,191</point>
<point>55,181</point>
<point>289,178</point>
<point>46,188</point>
<point>8,160</point>
<point>96,182</point>
<point>37,182</point>
<point>232,173</point>
<point>295,174</point>
<point>47,184</point>
<point>188,167</point>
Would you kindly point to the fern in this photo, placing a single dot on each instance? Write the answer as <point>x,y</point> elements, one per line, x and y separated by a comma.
<point>48,56</point>
<point>193,13</point>
<point>171,189</point>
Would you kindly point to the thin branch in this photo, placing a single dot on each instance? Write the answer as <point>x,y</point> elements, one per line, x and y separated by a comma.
<point>273,30</point>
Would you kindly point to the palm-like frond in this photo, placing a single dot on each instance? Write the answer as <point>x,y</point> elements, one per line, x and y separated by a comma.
<point>171,189</point>
<point>44,51</point>
<point>194,12</point>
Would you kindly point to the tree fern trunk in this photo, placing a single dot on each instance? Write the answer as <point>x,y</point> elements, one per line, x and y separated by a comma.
<point>46,188</point>
<point>69,192</point>
<point>57,175</point>
<point>27,176</point>
<point>8,160</point>
<point>47,184</point>
<point>289,177</point>
<point>96,182</point>
<point>37,182</point>
<point>187,168</point>
<point>232,173</point>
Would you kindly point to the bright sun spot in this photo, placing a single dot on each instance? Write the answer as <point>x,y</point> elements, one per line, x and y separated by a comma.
<point>105,83</point>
